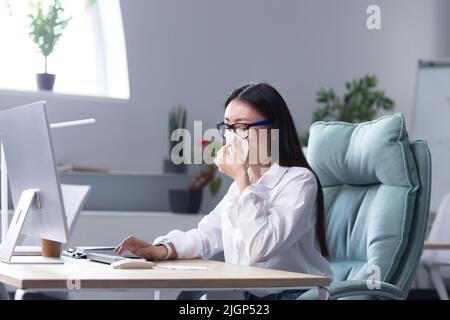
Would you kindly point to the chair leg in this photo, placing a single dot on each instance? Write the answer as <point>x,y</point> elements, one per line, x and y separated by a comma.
<point>438,282</point>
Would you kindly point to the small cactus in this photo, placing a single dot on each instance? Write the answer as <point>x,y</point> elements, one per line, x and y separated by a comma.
<point>177,120</point>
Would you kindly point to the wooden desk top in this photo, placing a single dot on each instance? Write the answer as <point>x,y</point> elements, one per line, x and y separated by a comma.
<point>436,246</point>
<point>92,275</point>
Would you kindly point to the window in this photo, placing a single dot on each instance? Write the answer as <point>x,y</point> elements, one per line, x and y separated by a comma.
<point>89,59</point>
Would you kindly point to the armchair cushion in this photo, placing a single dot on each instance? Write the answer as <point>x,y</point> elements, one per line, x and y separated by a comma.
<point>370,181</point>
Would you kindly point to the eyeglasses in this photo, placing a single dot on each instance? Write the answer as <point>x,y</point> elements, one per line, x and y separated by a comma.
<point>241,129</point>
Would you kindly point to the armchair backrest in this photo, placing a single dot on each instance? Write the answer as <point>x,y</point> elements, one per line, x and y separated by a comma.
<point>376,187</point>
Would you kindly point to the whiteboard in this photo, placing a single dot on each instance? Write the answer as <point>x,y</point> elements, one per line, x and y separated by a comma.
<point>432,122</point>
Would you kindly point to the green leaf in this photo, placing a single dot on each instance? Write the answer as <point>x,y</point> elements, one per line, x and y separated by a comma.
<point>359,103</point>
<point>90,2</point>
<point>214,186</point>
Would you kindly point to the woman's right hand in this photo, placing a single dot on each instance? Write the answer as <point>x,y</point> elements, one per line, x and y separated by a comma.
<point>141,249</point>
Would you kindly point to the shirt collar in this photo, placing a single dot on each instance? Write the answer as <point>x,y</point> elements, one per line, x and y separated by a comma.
<point>265,184</point>
<point>271,177</point>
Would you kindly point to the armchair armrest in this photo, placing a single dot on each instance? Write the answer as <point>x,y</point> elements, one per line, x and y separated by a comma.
<point>355,288</point>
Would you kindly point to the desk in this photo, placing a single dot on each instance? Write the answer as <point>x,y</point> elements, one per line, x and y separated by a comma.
<point>436,246</point>
<point>83,274</point>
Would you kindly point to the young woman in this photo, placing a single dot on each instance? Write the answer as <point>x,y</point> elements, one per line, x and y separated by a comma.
<point>273,214</point>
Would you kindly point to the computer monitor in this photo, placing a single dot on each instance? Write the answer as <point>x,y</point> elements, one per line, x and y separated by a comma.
<point>33,178</point>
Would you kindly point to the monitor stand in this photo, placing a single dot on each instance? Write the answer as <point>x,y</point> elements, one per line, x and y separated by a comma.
<point>27,199</point>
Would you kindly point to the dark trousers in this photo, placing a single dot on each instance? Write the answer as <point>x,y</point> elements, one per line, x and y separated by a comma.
<point>284,295</point>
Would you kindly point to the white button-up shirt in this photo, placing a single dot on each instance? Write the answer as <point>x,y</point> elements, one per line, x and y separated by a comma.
<point>272,224</point>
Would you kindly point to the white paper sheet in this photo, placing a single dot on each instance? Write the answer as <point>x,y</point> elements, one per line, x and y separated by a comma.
<point>180,267</point>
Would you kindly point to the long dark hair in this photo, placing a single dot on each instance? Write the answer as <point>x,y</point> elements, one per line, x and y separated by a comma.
<point>271,105</point>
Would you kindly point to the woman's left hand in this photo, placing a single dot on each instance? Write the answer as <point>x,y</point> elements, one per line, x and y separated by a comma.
<point>231,165</point>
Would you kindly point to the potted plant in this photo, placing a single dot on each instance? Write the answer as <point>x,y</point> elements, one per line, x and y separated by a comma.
<point>46,28</point>
<point>361,102</point>
<point>189,200</point>
<point>177,120</point>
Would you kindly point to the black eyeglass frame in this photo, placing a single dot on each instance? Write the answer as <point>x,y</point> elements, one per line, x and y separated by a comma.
<point>247,125</point>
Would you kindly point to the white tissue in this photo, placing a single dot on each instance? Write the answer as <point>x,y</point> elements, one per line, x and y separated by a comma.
<point>243,143</point>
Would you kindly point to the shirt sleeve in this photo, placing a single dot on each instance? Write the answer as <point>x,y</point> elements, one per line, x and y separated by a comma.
<point>270,226</point>
<point>202,242</point>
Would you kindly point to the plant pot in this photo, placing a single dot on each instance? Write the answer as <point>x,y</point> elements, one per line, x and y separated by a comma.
<point>45,81</point>
<point>184,201</point>
<point>170,167</point>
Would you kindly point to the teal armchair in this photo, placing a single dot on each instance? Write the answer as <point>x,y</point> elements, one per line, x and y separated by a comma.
<point>376,186</point>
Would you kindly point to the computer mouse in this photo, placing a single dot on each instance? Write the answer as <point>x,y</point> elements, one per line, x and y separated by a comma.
<point>132,264</point>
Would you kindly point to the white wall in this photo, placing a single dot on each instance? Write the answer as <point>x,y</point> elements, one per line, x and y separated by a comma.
<point>194,52</point>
